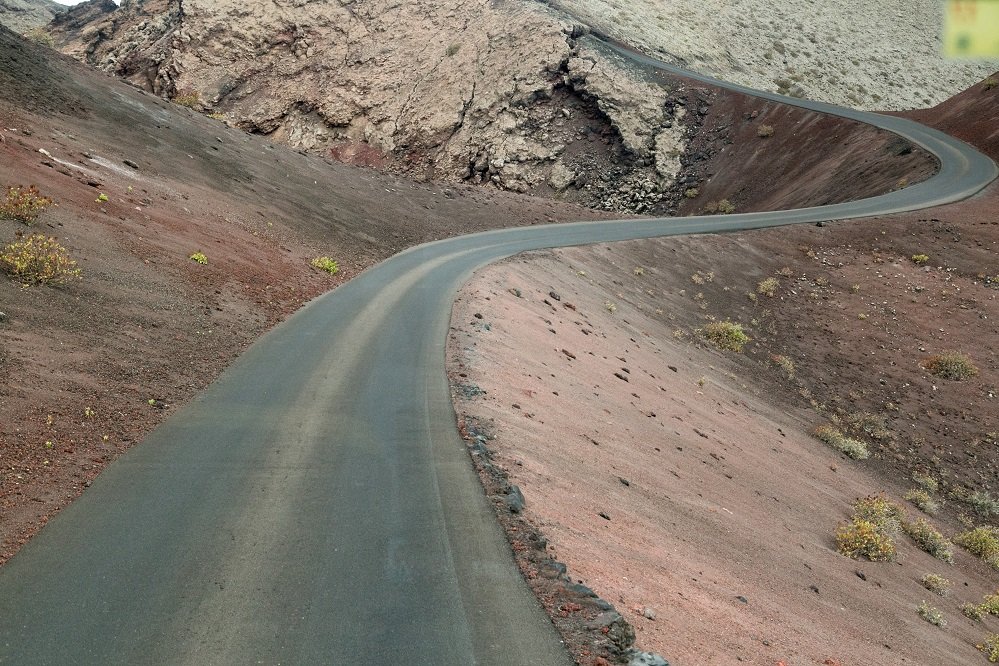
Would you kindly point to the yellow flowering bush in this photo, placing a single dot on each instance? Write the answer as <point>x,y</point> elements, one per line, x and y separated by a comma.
<point>325,264</point>
<point>40,259</point>
<point>23,204</point>
<point>862,538</point>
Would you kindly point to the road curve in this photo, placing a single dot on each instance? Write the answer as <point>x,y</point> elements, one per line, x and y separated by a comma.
<point>315,505</point>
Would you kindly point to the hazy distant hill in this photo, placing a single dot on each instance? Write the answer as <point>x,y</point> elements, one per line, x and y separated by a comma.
<point>23,15</point>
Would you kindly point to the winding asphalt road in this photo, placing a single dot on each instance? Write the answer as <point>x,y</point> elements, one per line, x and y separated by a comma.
<point>315,505</point>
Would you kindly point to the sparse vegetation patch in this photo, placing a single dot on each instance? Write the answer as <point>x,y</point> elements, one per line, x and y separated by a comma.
<point>722,207</point>
<point>768,287</point>
<point>23,204</point>
<point>982,542</point>
<point>923,500</point>
<point>991,648</point>
<point>936,584</point>
<point>930,540</point>
<point>199,258</point>
<point>862,538</point>
<point>951,365</point>
<point>39,259</point>
<point>853,448</point>
<point>725,335</point>
<point>325,264</point>
<point>931,615</point>
<point>765,131</point>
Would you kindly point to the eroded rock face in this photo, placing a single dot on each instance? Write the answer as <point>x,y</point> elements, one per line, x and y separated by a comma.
<point>505,94</point>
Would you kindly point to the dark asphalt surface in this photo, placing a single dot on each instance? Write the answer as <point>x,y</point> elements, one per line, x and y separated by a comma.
<point>315,505</point>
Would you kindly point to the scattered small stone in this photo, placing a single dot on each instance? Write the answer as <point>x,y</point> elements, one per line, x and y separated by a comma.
<point>515,406</point>
<point>648,613</point>
<point>742,599</point>
<point>478,315</point>
<point>624,481</point>
<point>131,164</point>
<point>568,353</point>
<point>3,317</point>
<point>621,377</point>
<point>569,305</point>
<point>515,500</point>
<point>515,292</point>
<point>604,515</point>
<point>638,658</point>
<point>673,368</point>
<point>814,588</point>
<point>93,183</point>
<point>860,574</point>
<point>554,296</point>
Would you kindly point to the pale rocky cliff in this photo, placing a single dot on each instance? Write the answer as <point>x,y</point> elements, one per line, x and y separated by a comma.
<point>453,90</point>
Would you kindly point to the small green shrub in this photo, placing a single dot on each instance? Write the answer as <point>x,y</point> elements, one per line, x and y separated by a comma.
<point>101,198</point>
<point>23,204</point>
<point>931,615</point>
<point>920,259</point>
<point>188,98</point>
<point>862,538</point>
<point>453,50</point>
<point>883,512</point>
<point>39,259</point>
<point>990,83</point>
<point>725,335</point>
<point>784,363</point>
<point>199,258</point>
<point>983,503</point>
<point>982,542</point>
<point>768,287</point>
<point>722,207</point>
<point>936,584</point>
<point>325,264</point>
<point>951,365</point>
<point>853,448</point>
<point>765,131</point>
<point>691,192</point>
<point>926,482</point>
<point>990,648</point>
<point>971,611</point>
<point>989,605</point>
<point>930,540</point>
<point>923,500</point>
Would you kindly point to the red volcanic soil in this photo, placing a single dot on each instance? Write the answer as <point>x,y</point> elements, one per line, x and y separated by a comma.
<point>683,483</point>
<point>92,366</point>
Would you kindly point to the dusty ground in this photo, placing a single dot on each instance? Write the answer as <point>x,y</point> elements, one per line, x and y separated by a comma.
<point>727,494</point>
<point>146,323</point>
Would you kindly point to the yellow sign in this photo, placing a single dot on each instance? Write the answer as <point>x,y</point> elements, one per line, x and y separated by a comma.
<point>971,28</point>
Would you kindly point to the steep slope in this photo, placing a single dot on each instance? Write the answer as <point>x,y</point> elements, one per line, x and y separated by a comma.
<point>695,496</point>
<point>24,15</point>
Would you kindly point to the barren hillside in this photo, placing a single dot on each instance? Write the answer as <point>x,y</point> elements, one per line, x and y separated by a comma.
<point>24,15</point>
<point>871,55</point>
<point>696,494</point>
